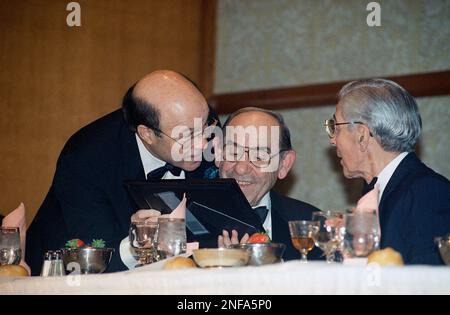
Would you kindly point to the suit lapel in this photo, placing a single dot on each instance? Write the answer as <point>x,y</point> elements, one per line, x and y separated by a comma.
<point>280,234</point>
<point>410,165</point>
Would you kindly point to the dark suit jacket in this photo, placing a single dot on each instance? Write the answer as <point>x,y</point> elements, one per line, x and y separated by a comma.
<point>286,209</point>
<point>87,199</point>
<point>414,209</point>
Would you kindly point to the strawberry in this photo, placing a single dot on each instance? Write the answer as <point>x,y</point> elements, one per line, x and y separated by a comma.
<point>75,243</point>
<point>259,238</point>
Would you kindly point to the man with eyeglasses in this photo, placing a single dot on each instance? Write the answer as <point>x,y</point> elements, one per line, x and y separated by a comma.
<point>257,152</point>
<point>374,129</point>
<point>156,134</point>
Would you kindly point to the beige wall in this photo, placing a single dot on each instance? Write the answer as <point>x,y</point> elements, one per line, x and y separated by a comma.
<point>55,79</point>
<point>276,43</point>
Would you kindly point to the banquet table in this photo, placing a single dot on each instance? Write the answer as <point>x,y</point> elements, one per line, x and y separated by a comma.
<point>287,278</point>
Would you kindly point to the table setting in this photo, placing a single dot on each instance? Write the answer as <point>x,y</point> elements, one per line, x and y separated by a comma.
<point>166,264</point>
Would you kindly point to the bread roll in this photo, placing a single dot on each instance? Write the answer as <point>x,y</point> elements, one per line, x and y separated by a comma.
<point>179,263</point>
<point>13,271</point>
<point>386,257</point>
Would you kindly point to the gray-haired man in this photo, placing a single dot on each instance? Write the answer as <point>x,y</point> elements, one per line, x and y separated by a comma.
<point>374,129</point>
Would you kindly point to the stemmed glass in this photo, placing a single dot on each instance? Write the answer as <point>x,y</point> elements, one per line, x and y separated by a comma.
<point>143,240</point>
<point>362,233</point>
<point>329,236</point>
<point>171,240</point>
<point>10,252</point>
<point>303,235</point>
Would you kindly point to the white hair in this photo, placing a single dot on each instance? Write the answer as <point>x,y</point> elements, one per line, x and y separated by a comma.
<point>388,110</point>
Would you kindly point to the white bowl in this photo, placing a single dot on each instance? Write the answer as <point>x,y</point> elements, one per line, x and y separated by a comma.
<point>221,257</point>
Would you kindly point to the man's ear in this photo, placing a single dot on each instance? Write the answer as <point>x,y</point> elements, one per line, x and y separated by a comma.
<point>146,134</point>
<point>363,134</point>
<point>287,160</point>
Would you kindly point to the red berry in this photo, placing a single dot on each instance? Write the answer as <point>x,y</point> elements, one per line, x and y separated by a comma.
<point>259,238</point>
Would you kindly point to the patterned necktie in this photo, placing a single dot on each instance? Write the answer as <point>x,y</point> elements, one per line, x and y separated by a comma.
<point>160,171</point>
<point>262,213</point>
<point>370,186</point>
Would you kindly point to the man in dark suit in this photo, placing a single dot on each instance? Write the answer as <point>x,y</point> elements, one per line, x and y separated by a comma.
<point>87,199</point>
<point>375,129</point>
<point>257,151</point>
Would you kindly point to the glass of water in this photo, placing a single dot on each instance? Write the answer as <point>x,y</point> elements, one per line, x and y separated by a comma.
<point>171,237</point>
<point>362,234</point>
<point>10,252</point>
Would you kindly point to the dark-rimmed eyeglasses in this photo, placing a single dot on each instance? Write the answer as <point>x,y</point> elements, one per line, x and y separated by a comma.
<point>330,126</point>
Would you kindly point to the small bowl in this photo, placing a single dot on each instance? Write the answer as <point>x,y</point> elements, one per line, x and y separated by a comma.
<point>443,244</point>
<point>221,257</point>
<point>90,260</point>
<point>263,254</point>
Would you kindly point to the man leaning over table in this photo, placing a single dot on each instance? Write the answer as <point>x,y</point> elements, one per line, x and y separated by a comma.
<point>374,129</point>
<point>87,199</point>
<point>242,157</point>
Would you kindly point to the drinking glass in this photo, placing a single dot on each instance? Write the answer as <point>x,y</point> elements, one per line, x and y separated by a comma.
<point>171,237</point>
<point>362,234</point>
<point>10,252</point>
<point>143,240</point>
<point>329,236</point>
<point>303,235</point>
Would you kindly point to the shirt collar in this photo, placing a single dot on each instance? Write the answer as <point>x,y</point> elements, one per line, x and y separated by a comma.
<point>149,161</point>
<point>265,202</point>
<point>387,172</point>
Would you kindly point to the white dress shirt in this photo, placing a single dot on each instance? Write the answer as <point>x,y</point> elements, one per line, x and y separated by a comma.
<point>385,175</point>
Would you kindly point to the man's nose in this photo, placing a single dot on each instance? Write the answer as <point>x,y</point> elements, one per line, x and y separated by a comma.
<point>333,141</point>
<point>242,167</point>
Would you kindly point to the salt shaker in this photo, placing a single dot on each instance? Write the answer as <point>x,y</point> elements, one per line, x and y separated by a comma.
<point>47,264</point>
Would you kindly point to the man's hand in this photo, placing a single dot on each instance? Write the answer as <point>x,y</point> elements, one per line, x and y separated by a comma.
<point>152,215</point>
<point>224,240</point>
<point>146,216</point>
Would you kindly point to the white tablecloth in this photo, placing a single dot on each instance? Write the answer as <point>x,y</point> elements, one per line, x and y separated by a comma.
<point>288,278</point>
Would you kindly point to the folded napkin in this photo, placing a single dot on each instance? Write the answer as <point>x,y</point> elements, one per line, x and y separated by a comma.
<point>369,202</point>
<point>179,212</point>
<point>17,219</point>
